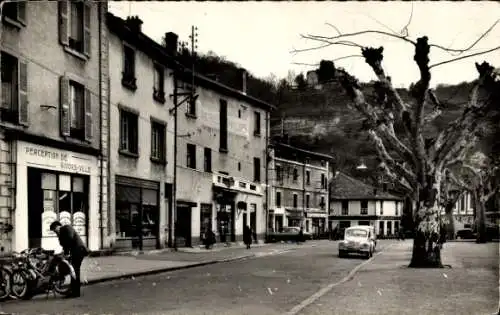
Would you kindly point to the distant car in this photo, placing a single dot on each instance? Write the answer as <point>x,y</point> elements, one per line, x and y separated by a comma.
<point>359,240</point>
<point>288,233</point>
<point>465,234</point>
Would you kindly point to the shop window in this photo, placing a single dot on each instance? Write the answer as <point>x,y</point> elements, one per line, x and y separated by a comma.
<point>389,227</point>
<point>136,212</point>
<point>345,207</point>
<point>205,219</point>
<point>67,196</point>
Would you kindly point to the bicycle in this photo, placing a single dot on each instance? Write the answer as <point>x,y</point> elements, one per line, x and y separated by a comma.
<point>42,271</point>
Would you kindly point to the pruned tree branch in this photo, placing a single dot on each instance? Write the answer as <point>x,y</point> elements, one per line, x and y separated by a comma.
<point>464,57</point>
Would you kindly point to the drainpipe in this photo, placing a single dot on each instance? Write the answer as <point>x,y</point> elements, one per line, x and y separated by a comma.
<point>267,177</point>
<point>101,145</point>
<point>304,193</point>
<point>174,185</point>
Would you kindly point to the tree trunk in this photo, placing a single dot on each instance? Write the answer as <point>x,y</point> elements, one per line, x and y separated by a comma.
<point>429,232</point>
<point>479,204</point>
<point>450,226</point>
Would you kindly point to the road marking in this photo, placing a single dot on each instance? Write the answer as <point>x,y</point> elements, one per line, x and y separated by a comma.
<point>296,309</point>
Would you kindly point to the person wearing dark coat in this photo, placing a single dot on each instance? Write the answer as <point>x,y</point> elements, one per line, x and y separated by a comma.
<point>72,244</point>
<point>247,236</point>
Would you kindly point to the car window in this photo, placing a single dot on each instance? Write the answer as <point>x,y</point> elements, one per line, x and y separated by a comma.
<point>356,233</point>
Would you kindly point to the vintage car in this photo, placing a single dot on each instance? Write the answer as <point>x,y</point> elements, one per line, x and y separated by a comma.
<point>288,233</point>
<point>359,240</point>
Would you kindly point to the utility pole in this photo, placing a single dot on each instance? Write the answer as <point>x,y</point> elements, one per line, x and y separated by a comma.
<point>189,97</point>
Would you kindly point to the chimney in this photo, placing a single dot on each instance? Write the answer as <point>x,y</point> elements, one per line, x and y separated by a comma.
<point>134,23</point>
<point>171,43</point>
<point>244,76</point>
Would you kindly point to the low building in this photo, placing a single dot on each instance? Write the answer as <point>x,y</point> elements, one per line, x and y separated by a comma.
<point>299,189</point>
<point>353,202</point>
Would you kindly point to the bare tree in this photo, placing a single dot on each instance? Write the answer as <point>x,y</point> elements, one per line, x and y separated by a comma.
<point>409,157</point>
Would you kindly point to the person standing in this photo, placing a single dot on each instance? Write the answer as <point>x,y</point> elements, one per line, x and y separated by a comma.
<point>72,244</point>
<point>247,236</point>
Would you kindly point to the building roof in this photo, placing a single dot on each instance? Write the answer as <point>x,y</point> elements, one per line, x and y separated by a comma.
<point>286,147</point>
<point>344,187</point>
<point>156,51</point>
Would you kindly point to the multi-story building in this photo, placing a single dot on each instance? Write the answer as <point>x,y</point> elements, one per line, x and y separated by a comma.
<point>353,202</point>
<point>141,137</point>
<point>222,163</point>
<point>463,212</point>
<point>299,189</point>
<point>53,162</point>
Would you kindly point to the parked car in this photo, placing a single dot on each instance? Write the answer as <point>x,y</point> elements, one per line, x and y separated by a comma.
<point>289,233</point>
<point>465,234</point>
<point>359,240</point>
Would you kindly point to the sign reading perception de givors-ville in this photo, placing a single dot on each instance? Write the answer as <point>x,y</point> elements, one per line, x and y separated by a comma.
<point>62,160</point>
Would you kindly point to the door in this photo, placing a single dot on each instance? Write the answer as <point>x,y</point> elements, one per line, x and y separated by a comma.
<point>35,208</point>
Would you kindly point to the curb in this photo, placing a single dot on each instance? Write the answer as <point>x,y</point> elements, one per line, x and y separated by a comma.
<point>167,269</point>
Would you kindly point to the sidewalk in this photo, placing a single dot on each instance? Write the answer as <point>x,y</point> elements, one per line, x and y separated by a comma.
<point>106,268</point>
<point>386,286</point>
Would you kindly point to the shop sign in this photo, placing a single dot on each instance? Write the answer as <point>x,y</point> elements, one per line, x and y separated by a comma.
<point>64,161</point>
<point>47,218</point>
<point>79,223</point>
<point>65,217</point>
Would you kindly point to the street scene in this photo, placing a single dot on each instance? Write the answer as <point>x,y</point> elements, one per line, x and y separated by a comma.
<point>260,158</point>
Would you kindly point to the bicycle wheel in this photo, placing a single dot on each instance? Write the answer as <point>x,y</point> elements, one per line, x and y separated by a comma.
<point>62,278</point>
<point>20,285</point>
<point>5,283</point>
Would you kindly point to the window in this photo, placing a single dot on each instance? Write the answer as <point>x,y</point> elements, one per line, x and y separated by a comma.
<point>308,177</point>
<point>364,207</point>
<point>279,174</point>
<point>136,210</point>
<point>191,109</point>
<point>223,126</point>
<point>128,75</point>
<point>74,26</point>
<point>323,181</point>
<point>15,13</point>
<point>381,207</point>
<point>295,200</point>
<point>76,110</point>
<point>389,227</point>
<point>191,155</point>
<point>159,84</point>
<point>322,203</point>
<point>397,208</point>
<point>129,132</point>
<point>67,195</point>
<point>381,226</point>
<point>256,169</point>
<point>239,113</point>
<point>308,199</point>
<point>345,207</point>
<point>256,130</point>
<point>158,146</point>
<point>14,107</point>
<point>239,166</point>
<point>295,174</point>
<point>396,227</point>
<point>207,164</point>
<point>278,199</point>
<point>205,219</point>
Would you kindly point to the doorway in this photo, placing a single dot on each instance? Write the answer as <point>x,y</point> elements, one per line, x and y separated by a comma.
<point>35,208</point>
<point>183,229</point>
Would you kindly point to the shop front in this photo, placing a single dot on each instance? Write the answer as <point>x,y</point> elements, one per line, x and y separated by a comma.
<point>54,184</point>
<point>225,208</point>
<point>137,213</point>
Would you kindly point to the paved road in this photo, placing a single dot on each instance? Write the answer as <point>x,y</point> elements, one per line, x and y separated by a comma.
<point>270,284</point>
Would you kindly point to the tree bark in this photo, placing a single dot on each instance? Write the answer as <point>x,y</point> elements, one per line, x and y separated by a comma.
<point>481,236</point>
<point>429,232</point>
<point>450,227</point>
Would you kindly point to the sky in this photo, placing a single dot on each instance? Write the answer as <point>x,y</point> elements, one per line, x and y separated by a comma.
<point>260,36</point>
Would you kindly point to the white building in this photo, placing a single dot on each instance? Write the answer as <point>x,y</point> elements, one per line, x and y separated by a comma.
<point>353,202</point>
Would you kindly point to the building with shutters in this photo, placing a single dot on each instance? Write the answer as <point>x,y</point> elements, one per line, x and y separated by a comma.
<point>53,139</point>
<point>353,203</point>
<point>141,146</point>
<point>299,189</point>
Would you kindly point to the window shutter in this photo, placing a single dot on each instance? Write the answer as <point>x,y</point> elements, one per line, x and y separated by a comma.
<point>65,117</point>
<point>63,22</point>
<point>88,115</point>
<point>87,12</point>
<point>21,12</point>
<point>23,94</point>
